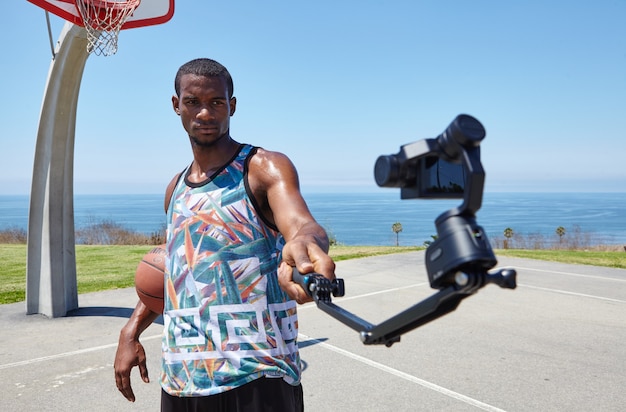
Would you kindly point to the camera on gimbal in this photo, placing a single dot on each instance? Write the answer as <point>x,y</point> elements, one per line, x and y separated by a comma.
<point>432,168</point>
<point>446,167</point>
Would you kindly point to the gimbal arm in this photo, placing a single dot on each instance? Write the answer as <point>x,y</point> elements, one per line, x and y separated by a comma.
<point>390,331</point>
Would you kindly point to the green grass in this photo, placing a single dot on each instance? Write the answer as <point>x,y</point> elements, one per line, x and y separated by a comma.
<point>97,267</point>
<point>111,267</point>
<point>613,259</point>
<point>107,267</point>
<point>13,283</point>
<point>339,253</point>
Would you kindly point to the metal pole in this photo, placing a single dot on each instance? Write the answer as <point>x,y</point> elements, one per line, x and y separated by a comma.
<point>51,287</point>
<point>50,34</point>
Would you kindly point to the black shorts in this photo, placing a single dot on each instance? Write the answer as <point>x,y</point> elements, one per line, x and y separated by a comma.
<point>260,395</point>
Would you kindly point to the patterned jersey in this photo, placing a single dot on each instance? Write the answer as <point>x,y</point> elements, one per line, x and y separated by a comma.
<point>226,320</point>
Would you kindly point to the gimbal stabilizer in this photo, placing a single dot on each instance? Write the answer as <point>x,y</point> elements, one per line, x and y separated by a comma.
<point>458,261</point>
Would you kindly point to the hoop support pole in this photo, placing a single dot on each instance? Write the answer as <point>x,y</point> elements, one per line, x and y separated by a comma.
<point>51,287</point>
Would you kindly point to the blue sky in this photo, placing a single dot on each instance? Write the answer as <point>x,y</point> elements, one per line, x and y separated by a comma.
<point>334,84</point>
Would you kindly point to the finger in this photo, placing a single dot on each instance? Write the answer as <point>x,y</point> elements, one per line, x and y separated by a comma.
<point>320,263</point>
<point>284,275</point>
<point>298,294</point>
<point>296,252</point>
<point>293,290</point>
<point>123,385</point>
<point>304,265</point>
<point>143,371</point>
<point>128,394</point>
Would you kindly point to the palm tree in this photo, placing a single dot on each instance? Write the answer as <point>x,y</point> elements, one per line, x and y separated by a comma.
<point>508,234</point>
<point>397,228</point>
<point>561,232</point>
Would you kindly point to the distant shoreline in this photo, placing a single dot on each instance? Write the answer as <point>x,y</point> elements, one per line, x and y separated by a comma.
<point>366,218</point>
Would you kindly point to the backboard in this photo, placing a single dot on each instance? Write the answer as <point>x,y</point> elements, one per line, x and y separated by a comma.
<point>148,13</point>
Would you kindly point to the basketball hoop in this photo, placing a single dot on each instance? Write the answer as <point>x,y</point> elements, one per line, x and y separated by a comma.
<point>103,20</point>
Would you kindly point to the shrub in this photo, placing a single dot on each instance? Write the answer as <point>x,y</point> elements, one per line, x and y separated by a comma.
<point>13,235</point>
<point>107,232</point>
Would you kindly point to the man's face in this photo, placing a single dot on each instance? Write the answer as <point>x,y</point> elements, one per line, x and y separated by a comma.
<point>204,108</point>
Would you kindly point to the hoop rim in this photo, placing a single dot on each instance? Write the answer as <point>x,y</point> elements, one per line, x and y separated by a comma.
<point>108,4</point>
<point>66,9</point>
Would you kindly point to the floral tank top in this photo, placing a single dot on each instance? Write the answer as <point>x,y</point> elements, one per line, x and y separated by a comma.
<point>226,320</point>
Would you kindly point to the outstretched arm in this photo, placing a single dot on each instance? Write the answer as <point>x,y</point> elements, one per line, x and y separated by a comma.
<point>130,352</point>
<point>274,182</point>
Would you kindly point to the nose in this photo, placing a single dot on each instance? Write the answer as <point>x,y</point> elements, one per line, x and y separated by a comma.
<point>205,113</point>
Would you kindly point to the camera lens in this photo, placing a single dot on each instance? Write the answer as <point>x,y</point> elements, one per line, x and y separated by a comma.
<point>386,171</point>
<point>470,131</point>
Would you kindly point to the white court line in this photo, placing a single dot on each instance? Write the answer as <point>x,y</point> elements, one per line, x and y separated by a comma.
<point>405,376</point>
<point>571,274</point>
<point>66,354</point>
<point>565,292</point>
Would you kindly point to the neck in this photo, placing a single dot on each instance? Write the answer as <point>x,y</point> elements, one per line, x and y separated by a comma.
<point>210,158</point>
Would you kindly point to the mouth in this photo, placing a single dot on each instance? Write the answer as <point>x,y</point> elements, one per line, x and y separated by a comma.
<point>206,128</point>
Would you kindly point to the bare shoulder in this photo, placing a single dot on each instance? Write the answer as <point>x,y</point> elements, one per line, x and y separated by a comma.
<point>268,157</point>
<point>268,167</point>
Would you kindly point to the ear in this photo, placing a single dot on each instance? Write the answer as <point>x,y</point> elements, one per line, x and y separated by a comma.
<point>175,104</point>
<point>233,105</point>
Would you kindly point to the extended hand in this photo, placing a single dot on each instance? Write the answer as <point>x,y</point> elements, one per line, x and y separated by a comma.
<point>307,258</point>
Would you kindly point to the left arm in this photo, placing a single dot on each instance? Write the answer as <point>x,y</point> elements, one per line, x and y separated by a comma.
<point>274,183</point>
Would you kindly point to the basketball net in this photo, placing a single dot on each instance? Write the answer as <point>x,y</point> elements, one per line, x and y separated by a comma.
<point>103,20</point>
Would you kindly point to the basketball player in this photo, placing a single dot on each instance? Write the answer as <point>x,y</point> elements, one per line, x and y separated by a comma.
<point>236,225</point>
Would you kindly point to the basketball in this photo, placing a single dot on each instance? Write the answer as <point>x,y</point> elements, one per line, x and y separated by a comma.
<point>149,279</point>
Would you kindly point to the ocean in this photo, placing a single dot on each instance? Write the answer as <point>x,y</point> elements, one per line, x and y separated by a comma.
<point>366,218</point>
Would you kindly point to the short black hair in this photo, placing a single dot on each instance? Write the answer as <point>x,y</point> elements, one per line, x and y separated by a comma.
<point>206,68</point>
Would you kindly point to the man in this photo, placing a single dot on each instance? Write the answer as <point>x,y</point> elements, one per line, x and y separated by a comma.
<point>236,225</point>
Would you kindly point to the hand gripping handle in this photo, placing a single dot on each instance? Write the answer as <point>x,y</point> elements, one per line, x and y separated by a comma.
<point>319,287</point>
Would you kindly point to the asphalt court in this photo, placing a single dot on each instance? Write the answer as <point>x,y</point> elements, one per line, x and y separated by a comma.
<point>555,343</point>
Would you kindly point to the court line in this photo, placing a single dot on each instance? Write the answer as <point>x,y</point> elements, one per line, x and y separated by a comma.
<point>365,295</point>
<point>570,274</point>
<point>565,292</point>
<point>380,292</point>
<point>405,376</point>
<point>66,354</point>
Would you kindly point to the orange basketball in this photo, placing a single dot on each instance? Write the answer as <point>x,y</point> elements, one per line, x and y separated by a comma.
<point>150,279</point>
